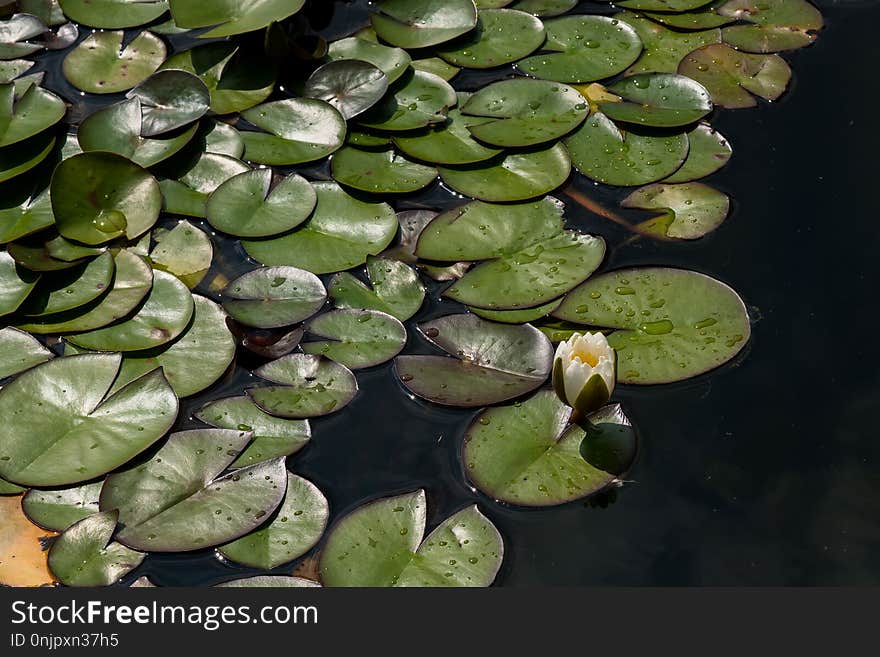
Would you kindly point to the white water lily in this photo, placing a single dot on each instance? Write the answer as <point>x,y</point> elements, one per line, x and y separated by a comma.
<point>583,371</point>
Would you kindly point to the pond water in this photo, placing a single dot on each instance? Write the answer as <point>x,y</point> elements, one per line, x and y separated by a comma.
<point>761,472</point>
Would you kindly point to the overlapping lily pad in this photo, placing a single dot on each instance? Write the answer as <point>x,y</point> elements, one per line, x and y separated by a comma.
<point>417,99</point>
<point>71,288</point>
<point>57,509</point>
<point>352,86</point>
<point>301,130</point>
<point>664,47</point>
<point>113,14</point>
<point>24,156</point>
<point>16,283</point>
<point>185,251</point>
<point>380,172</point>
<point>393,62</point>
<point>395,288</point>
<point>544,8</point>
<point>230,18</point>
<point>170,99</point>
<point>523,316</point>
<point>450,142</point>
<point>24,210</point>
<point>20,351</point>
<point>708,151</point>
<point>664,100</point>
<point>356,338</point>
<point>102,65</point>
<point>423,23</point>
<point>26,111</point>
<point>271,297</point>
<point>188,191</point>
<point>16,34</point>
<point>690,209</point>
<point>500,37</point>
<point>774,24</point>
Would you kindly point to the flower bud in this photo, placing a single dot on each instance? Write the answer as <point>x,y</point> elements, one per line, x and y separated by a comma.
<point>583,372</point>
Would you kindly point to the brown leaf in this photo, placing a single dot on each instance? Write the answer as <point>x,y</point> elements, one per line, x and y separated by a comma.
<point>23,559</point>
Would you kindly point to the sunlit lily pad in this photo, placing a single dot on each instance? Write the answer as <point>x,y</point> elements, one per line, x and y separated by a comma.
<point>545,8</point>
<point>302,130</point>
<point>450,142</point>
<point>356,338</point>
<point>7,488</point>
<point>20,351</point>
<point>658,99</point>
<point>662,5</point>
<point>602,151</point>
<point>673,324</point>
<point>501,36</point>
<point>522,316</point>
<point>101,65</point>
<point>9,70</point>
<point>57,509</point>
<point>221,138</point>
<point>492,362</point>
<point>309,386</point>
<point>734,78</point>
<point>32,253</point>
<point>703,17</point>
<point>63,249</point>
<point>22,545</point>
<point>380,172</point>
<point>169,100</point>
<point>584,49</point>
<point>270,297</point>
<point>16,283</point>
<point>417,99</point>
<point>188,194</point>
<point>383,543</point>
<point>352,86</point>
<point>393,62</point>
<point>298,525</point>
<point>423,23</point>
<point>16,33</point>
<point>273,436</point>
<point>708,152</point>
<point>272,344</point>
<point>664,48</point>
<point>71,288</point>
<point>170,503</point>
<point>25,114</point>
<point>395,288</point>
<point>113,14</point>
<point>775,24</point>
<point>48,11</point>
<point>340,235</point>
<point>86,555</point>
<point>185,251</point>
<point>690,209</point>
<point>437,66</point>
<point>231,18</point>
<point>529,454</point>
<point>60,429</point>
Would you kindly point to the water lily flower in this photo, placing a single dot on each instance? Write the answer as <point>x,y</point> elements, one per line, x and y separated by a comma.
<point>583,372</point>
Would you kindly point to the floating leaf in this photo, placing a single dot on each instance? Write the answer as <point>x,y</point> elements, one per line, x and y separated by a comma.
<point>21,544</point>
<point>450,142</point>
<point>270,581</point>
<point>662,5</point>
<point>71,288</point>
<point>423,23</point>
<point>113,14</point>
<point>48,11</point>
<point>775,24</point>
<point>673,324</point>
<point>16,284</point>
<point>32,253</point>
<point>24,156</point>
<point>15,33</point>
<point>383,543</point>
<point>356,338</point>
<point>271,297</point>
<point>493,362</point>
<point>26,114</point>
<point>185,251</point>
<point>395,289</point>
<point>692,209</point>
<point>302,130</point>
<point>13,69</point>
<point>297,527</point>
<point>523,316</point>
<point>188,194</point>
<point>100,64</point>
<point>7,488</point>
<point>380,172</point>
<point>545,8</point>
<point>19,351</point>
<point>352,86</point>
<point>436,66</point>
<point>60,429</point>
<point>393,62</point>
<point>231,18</point>
<point>664,48</point>
<point>702,18</point>
<point>708,152</point>
<point>310,386</point>
<point>658,99</point>
<point>169,100</point>
<point>417,99</point>
<point>59,508</point>
<point>500,37</point>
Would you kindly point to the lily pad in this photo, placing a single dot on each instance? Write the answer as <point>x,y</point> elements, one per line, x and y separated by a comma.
<point>525,112</point>
<point>185,251</point>
<point>48,11</point>
<point>417,99</point>
<point>85,555</point>
<point>734,78</point>
<point>352,86</point>
<point>299,523</point>
<point>32,253</point>
<point>273,436</point>
<point>7,489</point>
<point>605,153</point>
<point>13,69</point>
<point>16,283</point>
<point>584,49</point>
<point>383,543</point>
<point>63,249</point>
<point>27,113</point>
<point>249,205</point>
<point>437,66</point>
<point>221,138</point>
<point>500,37</point>
<point>664,100</point>
<point>170,503</point>
<point>71,288</point>
<point>393,62</point>
<point>271,297</point>
<point>395,288</point>
<point>15,35</point>
<point>356,338</point>
<point>99,196</point>
<point>423,23</point>
<point>24,156</point>
<point>545,8</point>
<point>23,546</point>
<point>231,17</point>
<point>708,152</point>
<point>691,209</point>
<point>24,210</point>
<point>513,177</point>
<point>673,324</point>
<point>169,100</point>
<point>775,24</point>
<point>662,5</point>
<point>380,172</point>
<point>56,412</point>
<point>101,65</point>
<point>302,130</point>
<point>20,351</point>
<point>113,14</point>
<point>450,142</point>
<point>309,386</point>
<point>270,581</point>
<point>523,316</point>
<point>340,235</point>
<point>59,508</point>
<point>530,455</point>
<point>189,193</point>
<point>664,48</point>
<point>492,363</point>
<point>702,18</point>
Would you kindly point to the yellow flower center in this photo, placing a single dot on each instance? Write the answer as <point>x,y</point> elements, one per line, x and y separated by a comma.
<point>586,356</point>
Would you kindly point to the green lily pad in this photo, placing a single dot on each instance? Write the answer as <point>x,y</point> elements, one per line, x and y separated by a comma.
<point>340,235</point>
<point>393,62</point>
<point>170,503</point>
<point>33,253</point>
<point>663,100</point>
<point>356,338</point>
<point>491,4</point>
<point>27,113</point>
<point>113,14</point>
<point>302,130</point>
<point>412,223</point>
<point>48,11</point>
<point>222,139</point>
<point>249,205</point>
<point>525,112</point>
<point>436,66</point>
<point>20,351</point>
<point>63,249</point>
<point>15,34</point>
<point>100,64</point>
<point>423,23</point>
<point>59,508</point>
<point>380,172</point>
<point>673,324</point>
<point>16,283</point>
<point>523,316</point>
<point>513,177</point>
<point>170,99</point>
<point>273,436</point>
<point>132,282</point>
<point>416,100</point>
<point>85,555</point>
<point>231,17</point>
<point>530,455</point>
<point>270,581</point>
<point>71,288</point>
<point>99,196</point>
<point>189,193</point>
<point>450,142</point>
<point>774,24</point>
<point>56,412</point>
<point>24,156</point>
<point>236,80</point>
<point>164,315</point>
<point>734,78</point>
<point>24,210</point>
<point>352,86</point>
<point>492,363</point>
<point>664,48</point>
<point>691,209</point>
<point>500,37</point>
<point>185,251</point>
<point>7,488</point>
<point>271,297</point>
<point>708,152</point>
<point>13,69</point>
<point>367,139</point>
<point>605,153</point>
<point>395,289</point>
<point>702,18</point>
<point>309,386</point>
<point>584,49</point>
<point>299,523</point>
<point>662,5</point>
<point>545,8</point>
<point>383,543</point>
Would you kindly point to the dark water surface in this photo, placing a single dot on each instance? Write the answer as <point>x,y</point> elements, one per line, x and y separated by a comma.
<point>763,472</point>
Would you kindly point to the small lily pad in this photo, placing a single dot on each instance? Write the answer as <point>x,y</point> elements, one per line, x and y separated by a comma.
<point>395,288</point>
<point>59,508</point>
<point>702,18</point>
<point>356,338</point>
<point>774,24</point>
<point>16,283</point>
<point>270,581</point>
<point>27,112</point>
<point>24,210</point>
<point>16,33</point>
<point>691,209</point>
<point>189,193</point>
<point>664,100</point>
<point>523,316</point>
<point>416,100</point>
<point>423,23</point>
<point>437,66</point>
<point>169,100</point>
<point>101,65</point>
<point>271,297</point>
<point>71,288</point>
<point>393,62</point>
<point>664,48</point>
<point>185,251</point>
<point>230,18</point>
<point>24,156</point>
<point>380,172</point>
<point>20,351</point>
<point>500,37</point>
<point>450,142</point>
<point>352,86</point>
<point>708,152</point>
<point>545,8</point>
<point>113,14</point>
<point>662,5</point>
